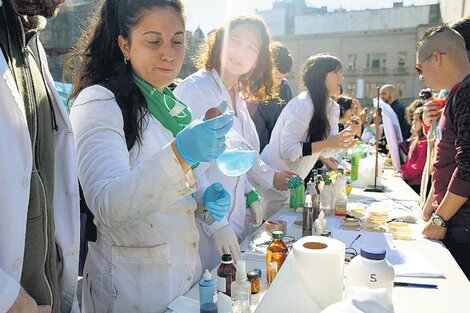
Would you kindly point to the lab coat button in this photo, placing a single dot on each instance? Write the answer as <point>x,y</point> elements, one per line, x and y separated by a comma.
<point>188,278</point>
<point>194,244</point>
<point>189,212</point>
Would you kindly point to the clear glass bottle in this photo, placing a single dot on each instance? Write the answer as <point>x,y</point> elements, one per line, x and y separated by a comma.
<point>341,198</point>
<point>275,255</point>
<point>241,290</point>
<point>239,156</point>
<point>327,198</point>
<point>207,294</point>
<point>226,274</point>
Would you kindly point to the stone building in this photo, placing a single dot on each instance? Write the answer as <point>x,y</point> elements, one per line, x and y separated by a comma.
<point>376,46</point>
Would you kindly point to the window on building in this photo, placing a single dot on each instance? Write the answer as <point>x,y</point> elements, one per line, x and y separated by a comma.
<point>376,61</point>
<point>401,60</point>
<point>400,89</point>
<point>371,89</point>
<point>350,89</point>
<point>352,62</point>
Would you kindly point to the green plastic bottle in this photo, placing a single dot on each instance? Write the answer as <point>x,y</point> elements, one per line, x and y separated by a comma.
<point>357,154</point>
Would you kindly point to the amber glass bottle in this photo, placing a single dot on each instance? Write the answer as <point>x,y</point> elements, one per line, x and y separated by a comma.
<point>226,274</point>
<point>275,255</point>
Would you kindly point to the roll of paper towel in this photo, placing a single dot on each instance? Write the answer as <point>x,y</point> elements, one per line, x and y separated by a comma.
<point>319,265</point>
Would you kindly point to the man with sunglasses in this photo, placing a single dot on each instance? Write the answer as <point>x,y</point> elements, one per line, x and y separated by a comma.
<point>442,63</point>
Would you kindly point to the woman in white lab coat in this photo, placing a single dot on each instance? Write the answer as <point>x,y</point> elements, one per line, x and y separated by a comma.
<point>308,126</point>
<point>236,67</point>
<point>136,149</point>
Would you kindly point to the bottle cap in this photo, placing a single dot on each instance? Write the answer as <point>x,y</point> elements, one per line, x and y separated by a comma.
<point>277,234</point>
<point>227,258</point>
<point>373,253</point>
<point>207,275</point>
<point>325,233</point>
<point>252,274</point>
<point>241,270</point>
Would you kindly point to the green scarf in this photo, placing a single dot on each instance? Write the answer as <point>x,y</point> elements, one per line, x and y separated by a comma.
<point>170,111</point>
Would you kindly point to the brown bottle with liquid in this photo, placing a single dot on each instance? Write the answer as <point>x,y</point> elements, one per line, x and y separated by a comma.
<point>226,274</point>
<point>275,255</point>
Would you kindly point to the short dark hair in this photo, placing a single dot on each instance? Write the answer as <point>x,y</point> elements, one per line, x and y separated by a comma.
<point>463,28</point>
<point>281,56</point>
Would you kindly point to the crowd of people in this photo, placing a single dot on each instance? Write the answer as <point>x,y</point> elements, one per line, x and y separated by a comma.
<point>144,155</point>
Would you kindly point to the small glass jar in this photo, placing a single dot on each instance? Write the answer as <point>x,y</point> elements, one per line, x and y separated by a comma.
<point>253,278</point>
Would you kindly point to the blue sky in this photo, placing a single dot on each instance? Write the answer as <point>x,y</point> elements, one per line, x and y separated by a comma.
<point>209,14</point>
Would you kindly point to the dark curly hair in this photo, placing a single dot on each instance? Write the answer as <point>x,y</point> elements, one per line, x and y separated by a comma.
<point>97,59</point>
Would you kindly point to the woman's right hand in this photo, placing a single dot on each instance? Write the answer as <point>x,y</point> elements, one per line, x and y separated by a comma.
<point>344,140</point>
<point>204,140</point>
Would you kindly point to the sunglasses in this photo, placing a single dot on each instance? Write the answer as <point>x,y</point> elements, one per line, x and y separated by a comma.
<point>419,66</point>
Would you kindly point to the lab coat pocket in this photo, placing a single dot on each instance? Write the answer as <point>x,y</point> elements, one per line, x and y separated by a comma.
<point>141,279</point>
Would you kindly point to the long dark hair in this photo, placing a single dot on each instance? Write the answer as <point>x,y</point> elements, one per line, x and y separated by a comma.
<point>257,84</point>
<point>314,73</point>
<point>97,59</point>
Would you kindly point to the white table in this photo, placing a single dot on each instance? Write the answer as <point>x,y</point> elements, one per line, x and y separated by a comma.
<point>286,294</point>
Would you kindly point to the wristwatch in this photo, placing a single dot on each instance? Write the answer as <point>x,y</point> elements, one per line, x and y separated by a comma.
<point>437,221</point>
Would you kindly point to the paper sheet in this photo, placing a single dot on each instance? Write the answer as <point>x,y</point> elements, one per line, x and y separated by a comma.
<point>406,262</point>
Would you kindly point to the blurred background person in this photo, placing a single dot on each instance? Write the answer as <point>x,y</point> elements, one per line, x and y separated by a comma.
<point>265,114</point>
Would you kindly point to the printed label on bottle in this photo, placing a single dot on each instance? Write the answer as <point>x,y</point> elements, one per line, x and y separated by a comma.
<point>221,284</point>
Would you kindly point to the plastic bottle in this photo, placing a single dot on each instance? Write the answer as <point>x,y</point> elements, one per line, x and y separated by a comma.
<point>341,198</point>
<point>320,224</point>
<point>207,294</point>
<point>371,270</point>
<point>297,190</point>
<point>327,198</point>
<point>226,274</point>
<point>307,216</point>
<point>239,156</point>
<point>241,290</point>
<point>275,255</point>
<point>357,154</point>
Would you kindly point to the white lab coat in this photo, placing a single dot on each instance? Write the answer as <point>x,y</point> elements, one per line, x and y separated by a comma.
<point>284,151</point>
<point>202,91</point>
<point>15,177</point>
<point>146,253</point>
<point>392,131</point>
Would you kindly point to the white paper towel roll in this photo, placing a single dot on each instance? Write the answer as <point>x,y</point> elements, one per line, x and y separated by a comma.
<point>319,265</point>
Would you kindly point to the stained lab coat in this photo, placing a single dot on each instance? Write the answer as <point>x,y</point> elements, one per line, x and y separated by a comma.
<point>284,151</point>
<point>146,253</point>
<point>202,91</point>
<point>15,176</point>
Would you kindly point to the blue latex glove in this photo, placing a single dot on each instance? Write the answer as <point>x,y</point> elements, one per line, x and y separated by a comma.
<point>216,201</point>
<point>204,140</point>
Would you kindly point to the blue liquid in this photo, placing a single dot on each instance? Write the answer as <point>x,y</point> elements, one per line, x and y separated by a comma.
<point>236,162</point>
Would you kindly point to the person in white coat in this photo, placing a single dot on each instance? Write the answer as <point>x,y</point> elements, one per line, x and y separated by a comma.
<point>39,223</point>
<point>238,70</point>
<point>308,126</point>
<point>136,149</point>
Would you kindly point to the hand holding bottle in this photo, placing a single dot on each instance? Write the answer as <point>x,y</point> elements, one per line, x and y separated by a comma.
<point>281,179</point>
<point>204,139</point>
<point>216,201</point>
<point>226,242</point>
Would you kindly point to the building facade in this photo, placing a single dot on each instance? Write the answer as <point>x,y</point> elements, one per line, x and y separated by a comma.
<point>376,47</point>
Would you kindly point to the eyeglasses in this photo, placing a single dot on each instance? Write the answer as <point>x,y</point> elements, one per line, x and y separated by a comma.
<point>419,66</point>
